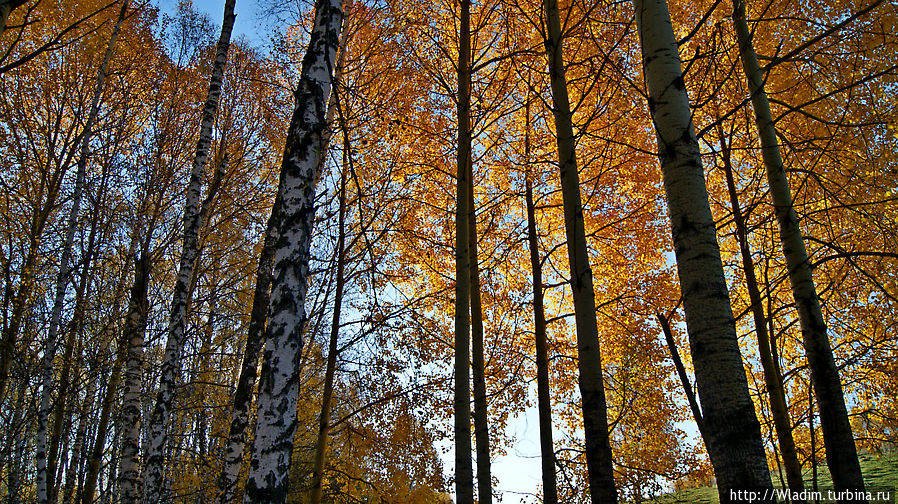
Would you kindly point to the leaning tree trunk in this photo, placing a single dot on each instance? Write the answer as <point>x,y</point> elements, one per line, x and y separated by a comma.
<point>135,327</point>
<point>543,395</point>
<point>154,483</point>
<point>841,453</point>
<point>733,433</point>
<point>592,391</point>
<point>464,471</point>
<point>45,491</point>
<point>300,169</point>
<point>772,379</point>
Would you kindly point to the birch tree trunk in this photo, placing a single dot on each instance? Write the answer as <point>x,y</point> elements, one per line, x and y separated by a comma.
<point>841,452</point>
<point>543,394</point>
<point>773,381</point>
<point>733,432</point>
<point>279,383</point>
<point>464,471</point>
<point>233,459</point>
<point>154,482</point>
<point>45,491</point>
<point>135,326</point>
<point>595,415</point>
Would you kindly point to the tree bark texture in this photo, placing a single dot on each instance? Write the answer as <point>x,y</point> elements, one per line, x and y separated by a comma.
<point>841,452</point>
<point>279,382</point>
<point>135,327</point>
<point>733,433</point>
<point>154,481</point>
<point>595,415</point>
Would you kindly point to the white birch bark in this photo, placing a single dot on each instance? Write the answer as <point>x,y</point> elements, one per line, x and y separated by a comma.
<point>154,483</point>
<point>135,326</point>
<point>841,452</point>
<point>44,479</point>
<point>279,383</point>
<point>733,432</point>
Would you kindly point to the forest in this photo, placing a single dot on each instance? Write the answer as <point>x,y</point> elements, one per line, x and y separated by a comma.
<point>336,263</point>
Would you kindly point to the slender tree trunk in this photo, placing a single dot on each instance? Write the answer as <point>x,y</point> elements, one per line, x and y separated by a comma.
<point>733,433</point>
<point>464,471</point>
<point>45,492</point>
<point>279,383</point>
<point>480,412</point>
<point>154,481</point>
<point>772,380</point>
<point>14,464</point>
<point>331,367</point>
<point>684,378</point>
<point>841,453</point>
<point>233,460</point>
<point>71,474</point>
<point>135,327</point>
<point>595,415</point>
<point>543,395</point>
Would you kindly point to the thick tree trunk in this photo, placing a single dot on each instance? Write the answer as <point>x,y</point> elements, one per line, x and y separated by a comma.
<point>45,492</point>
<point>772,379</point>
<point>464,470</point>
<point>135,327</point>
<point>595,415</point>
<point>841,453</point>
<point>543,395</point>
<point>733,432</point>
<point>279,383</point>
<point>154,481</point>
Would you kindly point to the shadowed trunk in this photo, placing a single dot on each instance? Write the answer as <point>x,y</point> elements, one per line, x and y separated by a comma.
<point>841,453</point>
<point>543,395</point>
<point>733,434</point>
<point>464,470</point>
<point>772,379</point>
<point>595,415</point>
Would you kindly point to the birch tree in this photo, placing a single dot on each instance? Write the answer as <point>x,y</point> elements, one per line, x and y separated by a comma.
<point>592,391</point>
<point>279,382</point>
<point>733,432</point>
<point>44,480</point>
<point>841,452</point>
<point>155,456</point>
